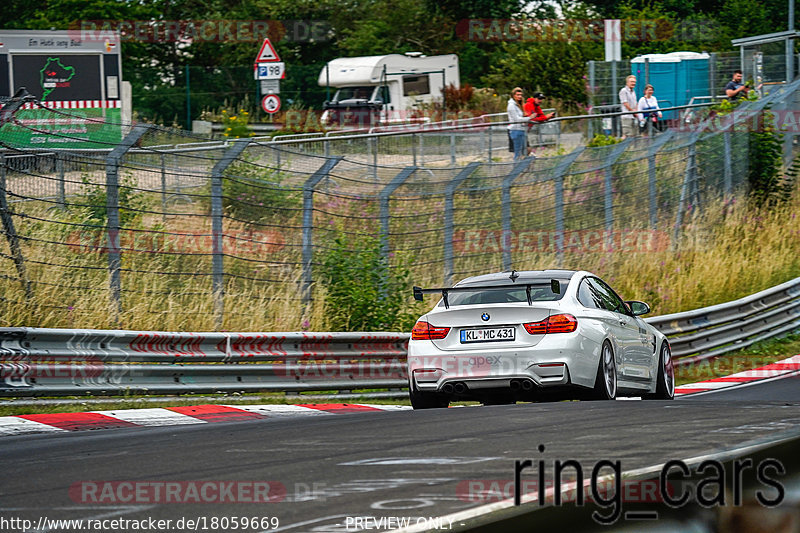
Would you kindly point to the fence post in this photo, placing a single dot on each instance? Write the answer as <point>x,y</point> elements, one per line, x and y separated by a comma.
<point>726,163</point>
<point>112,212</point>
<point>489,136</point>
<point>163,188</point>
<point>308,222</point>
<point>519,168</point>
<point>614,91</point>
<point>421,150</point>
<point>607,186</point>
<point>413,149</point>
<point>11,233</point>
<point>62,192</point>
<point>452,148</point>
<point>448,219</point>
<point>373,142</point>
<point>384,197</point>
<point>590,94</point>
<point>688,176</point>
<point>217,252</point>
<point>558,176</point>
<point>712,75</point>
<point>660,141</point>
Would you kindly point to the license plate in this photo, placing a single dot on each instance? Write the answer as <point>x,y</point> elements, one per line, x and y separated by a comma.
<point>487,335</point>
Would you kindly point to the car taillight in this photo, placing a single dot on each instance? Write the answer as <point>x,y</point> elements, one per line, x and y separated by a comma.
<point>536,328</point>
<point>423,331</point>
<point>563,323</point>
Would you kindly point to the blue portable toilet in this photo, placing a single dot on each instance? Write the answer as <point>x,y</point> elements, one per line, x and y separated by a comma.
<point>676,77</point>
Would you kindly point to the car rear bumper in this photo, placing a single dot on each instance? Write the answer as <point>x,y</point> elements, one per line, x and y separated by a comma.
<point>562,361</point>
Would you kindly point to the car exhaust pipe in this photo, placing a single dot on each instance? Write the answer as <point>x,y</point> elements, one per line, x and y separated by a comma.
<point>460,388</point>
<point>447,388</point>
<point>515,385</point>
<point>527,385</point>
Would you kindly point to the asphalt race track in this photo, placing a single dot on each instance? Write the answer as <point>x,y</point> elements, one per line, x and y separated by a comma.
<point>329,472</point>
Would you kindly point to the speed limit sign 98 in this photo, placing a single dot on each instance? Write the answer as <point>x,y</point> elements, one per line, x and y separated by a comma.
<point>271,103</point>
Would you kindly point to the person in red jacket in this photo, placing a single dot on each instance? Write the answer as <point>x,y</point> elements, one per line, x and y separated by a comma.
<point>532,108</point>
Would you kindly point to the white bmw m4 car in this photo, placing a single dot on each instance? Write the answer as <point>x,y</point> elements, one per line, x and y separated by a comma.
<point>534,335</point>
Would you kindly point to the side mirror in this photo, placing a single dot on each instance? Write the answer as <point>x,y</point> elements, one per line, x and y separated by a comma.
<point>638,308</point>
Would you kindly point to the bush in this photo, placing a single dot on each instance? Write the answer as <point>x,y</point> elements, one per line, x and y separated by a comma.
<point>458,98</point>
<point>602,140</point>
<point>363,292</point>
<point>235,126</point>
<point>255,194</point>
<point>90,204</point>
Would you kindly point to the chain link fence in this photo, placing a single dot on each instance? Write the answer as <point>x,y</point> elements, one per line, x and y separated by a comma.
<point>604,79</point>
<point>168,229</point>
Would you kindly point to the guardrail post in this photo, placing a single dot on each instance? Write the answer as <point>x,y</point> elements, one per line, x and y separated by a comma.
<point>607,186</point>
<point>11,233</point>
<point>112,212</point>
<point>688,176</point>
<point>660,141</point>
<point>217,252</point>
<point>308,222</point>
<point>508,181</point>
<point>448,219</point>
<point>62,193</point>
<point>558,176</point>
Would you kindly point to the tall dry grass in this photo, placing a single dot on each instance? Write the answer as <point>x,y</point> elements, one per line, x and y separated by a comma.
<point>723,253</point>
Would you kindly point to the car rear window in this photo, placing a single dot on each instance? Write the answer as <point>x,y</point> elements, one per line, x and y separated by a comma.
<point>501,296</point>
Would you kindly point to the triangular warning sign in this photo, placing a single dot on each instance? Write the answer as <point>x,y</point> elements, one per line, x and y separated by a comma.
<point>267,54</point>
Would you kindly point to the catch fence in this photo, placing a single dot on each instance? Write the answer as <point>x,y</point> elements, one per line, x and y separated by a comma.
<point>151,226</point>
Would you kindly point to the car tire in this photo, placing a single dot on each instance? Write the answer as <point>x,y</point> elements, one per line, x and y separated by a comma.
<point>427,400</point>
<point>605,383</point>
<point>665,380</point>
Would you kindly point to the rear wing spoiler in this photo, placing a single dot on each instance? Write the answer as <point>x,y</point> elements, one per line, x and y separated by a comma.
<point>554,284</point>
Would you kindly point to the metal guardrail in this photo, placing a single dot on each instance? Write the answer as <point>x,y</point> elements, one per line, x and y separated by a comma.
<point>59,362</point>
<point>62,362</point>
<point>719,329</point>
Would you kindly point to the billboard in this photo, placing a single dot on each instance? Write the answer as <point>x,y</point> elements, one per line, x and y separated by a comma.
<point>77,79</point>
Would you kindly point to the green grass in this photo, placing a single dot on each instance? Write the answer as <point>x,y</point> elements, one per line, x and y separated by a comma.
<point>757,355</point>
<point>142,402</point>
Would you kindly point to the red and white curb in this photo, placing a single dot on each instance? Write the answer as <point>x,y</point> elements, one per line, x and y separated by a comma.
<point>781,368</point>
<point>173,416</point>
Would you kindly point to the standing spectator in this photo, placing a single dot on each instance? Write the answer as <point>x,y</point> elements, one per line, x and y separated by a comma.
<point>533,109</point>
<point>517,130</point>
<point>648,102</point>
<point>735,89</point>
<point>627,100</point>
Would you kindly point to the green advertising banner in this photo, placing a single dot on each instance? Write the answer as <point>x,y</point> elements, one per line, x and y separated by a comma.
<point>84,128</point>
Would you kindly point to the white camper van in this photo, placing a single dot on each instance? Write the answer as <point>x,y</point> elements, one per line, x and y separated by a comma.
<point>385,89</point>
